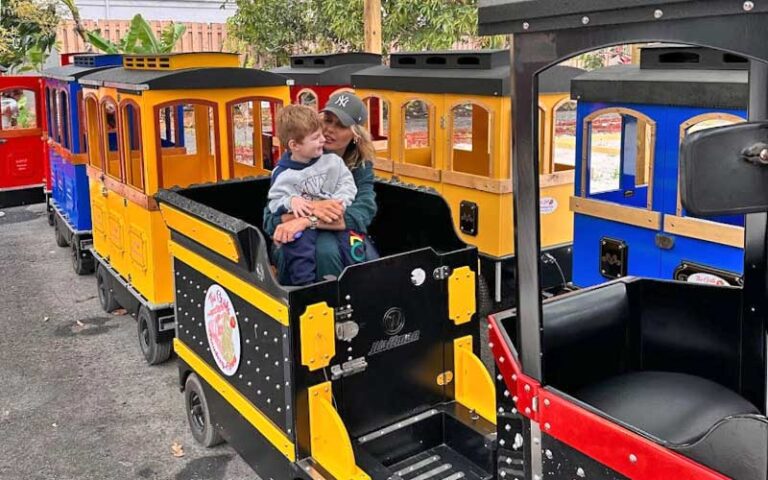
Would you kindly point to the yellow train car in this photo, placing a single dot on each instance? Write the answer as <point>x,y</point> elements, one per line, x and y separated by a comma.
<point>442,120</point>
<point>158,122</point>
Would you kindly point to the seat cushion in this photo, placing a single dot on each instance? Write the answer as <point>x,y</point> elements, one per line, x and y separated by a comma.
<point>673,407</point>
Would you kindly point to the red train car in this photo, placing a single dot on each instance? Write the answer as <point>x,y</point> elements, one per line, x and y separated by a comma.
<point>22,148</point>
<point>317,77</point>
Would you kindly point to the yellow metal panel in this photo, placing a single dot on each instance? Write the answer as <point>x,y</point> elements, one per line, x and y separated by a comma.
<point>474,386</point>
<point>329,441</point>
<point>158,61</point>
<point>240,287</point>
<point>253,415</point>
<point>206,234</point>
<point>556,215</point>
<point>318,337</point>
<point>461,295</point>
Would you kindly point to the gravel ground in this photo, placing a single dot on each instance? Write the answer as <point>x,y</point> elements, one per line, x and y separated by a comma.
<point>77,400</point>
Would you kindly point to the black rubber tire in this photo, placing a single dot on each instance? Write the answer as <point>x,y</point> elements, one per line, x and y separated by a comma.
<point>484,299</point>
<point>61,240</point>
<point>198,413</point>
<point>154,351</point>
<point>82,262</point>
<point>106,297</point>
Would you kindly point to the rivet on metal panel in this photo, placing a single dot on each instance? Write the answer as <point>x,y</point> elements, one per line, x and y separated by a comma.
<point>580,472</point>
<point>632,458</point>
<point>548,454</point>
<point>526,25</point>
<point>584,20</point>
<point>658,13</point>
<point>748,6</point>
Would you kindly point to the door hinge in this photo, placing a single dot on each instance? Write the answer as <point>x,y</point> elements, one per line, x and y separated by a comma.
<point>441,273</point>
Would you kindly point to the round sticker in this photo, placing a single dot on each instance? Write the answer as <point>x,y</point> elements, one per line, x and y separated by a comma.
<point>707,279</point>
<point>222,329</point>
<point>547,205</point>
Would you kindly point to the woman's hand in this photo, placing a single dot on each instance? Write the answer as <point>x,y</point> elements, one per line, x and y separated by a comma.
<point>286,232</point>
<point>328,211</point>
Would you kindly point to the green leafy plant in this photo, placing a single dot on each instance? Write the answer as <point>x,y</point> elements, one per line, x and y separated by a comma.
<point>27,33</point>
<point>139,39</point>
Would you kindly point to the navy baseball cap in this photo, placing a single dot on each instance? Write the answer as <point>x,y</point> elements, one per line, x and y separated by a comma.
<point>348,108</point>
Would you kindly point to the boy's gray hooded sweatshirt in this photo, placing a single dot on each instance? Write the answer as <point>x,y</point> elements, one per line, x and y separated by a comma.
<point>322,178</point>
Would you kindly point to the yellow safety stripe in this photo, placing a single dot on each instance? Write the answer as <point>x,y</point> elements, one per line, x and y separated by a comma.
<point>214,238</point>
<point>264,425</point>
<point>250,293</point>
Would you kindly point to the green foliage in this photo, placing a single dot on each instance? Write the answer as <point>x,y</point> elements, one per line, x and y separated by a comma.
<point>140,39</point>
<point>27,33</point>
<point>275,29</point>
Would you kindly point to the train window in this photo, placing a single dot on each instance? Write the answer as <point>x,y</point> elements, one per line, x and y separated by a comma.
<point>418,133</point>
<point>53,128</point>
<point>270,146</point>
<point>92,125</point>
<point>244,141</point>
<point>198,161</point>
<point>49,108</point>
<point>18,109</point>
<point>131,142</point>
<point>308,98</point>
<point>619,147</point>
<point>564,136</point>
<point>712,122</point>
<point>470,139</point>
<point>63,120</point>
<point>109,138</point>
<point>378,125</point>
<point>81,124</point>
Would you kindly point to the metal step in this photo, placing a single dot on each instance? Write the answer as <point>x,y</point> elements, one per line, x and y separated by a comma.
<point>438,463</point>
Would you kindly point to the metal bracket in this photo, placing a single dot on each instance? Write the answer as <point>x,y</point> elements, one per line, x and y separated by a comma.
<point>318,339</point>
<point>441,273</point>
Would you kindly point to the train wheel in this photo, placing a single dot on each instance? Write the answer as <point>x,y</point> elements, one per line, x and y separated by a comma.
<point>198,413</point>
<point>60,239</point>
<point>106,297</point>
<point>154,351</point>
<point>82,262</point>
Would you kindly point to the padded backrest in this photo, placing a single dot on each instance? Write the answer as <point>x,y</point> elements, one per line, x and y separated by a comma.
<point>585,336</point>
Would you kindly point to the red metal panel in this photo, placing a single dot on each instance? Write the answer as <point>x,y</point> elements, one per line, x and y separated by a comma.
<point>23,156</point>
<point>612,445</point>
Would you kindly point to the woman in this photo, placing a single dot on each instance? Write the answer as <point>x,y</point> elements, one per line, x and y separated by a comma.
<point>343,118</point>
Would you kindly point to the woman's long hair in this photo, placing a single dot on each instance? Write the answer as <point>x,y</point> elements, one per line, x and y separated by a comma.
<point>360,149</point>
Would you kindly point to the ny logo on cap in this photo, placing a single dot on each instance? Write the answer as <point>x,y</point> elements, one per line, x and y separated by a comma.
<point>342,101</point>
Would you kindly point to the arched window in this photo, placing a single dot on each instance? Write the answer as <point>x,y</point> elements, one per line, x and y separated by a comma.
<point>618,155</point>
<point>417,133</point>
<point>253,139</point>
<point>378,125</point>
<point>109,138</point>
<point>198,161</point>
<point>470,139</point>
<point>564,136</point>
<point>63,120</point>
<point>130,137</point>
<point>307,97</point>
<point>95,152</point>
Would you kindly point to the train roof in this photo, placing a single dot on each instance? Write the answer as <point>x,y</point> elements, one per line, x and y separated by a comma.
<point>327,69</point>
<point>675,75</point>
<point>524,16</point>
<point>137,80</point>
<point>469,72</point>
<point>82,64</point>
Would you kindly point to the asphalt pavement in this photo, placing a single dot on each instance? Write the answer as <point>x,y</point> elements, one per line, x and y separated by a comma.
<point>77,400</point>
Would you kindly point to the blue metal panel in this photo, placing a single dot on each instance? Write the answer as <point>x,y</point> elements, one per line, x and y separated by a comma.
<point>710,254</point>
<point>586,249</point>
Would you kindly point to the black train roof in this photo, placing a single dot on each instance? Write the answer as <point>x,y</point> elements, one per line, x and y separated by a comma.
<point>327,69</point>
<point>469,72</point>
<point>187,78</point>
<point>520,16</point>
<point>675,75</point>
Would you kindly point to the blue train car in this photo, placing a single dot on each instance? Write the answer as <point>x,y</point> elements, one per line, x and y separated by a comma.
<point>70,209</point>
<point>628,219</point>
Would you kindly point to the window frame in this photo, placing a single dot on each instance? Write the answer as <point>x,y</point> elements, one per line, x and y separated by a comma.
<point>230,107</point>
<point>492,170</point>
<point>380,162</point>
<point>425,172</point>
<point>311,92</point>
<point>90,96</point>
<point>214,106</point>
<point>586,142</point>
<point>124,142</point>
<point>104,135</point>
<point>21,132</point>
<point>553,127</point>
<point>64,120</point>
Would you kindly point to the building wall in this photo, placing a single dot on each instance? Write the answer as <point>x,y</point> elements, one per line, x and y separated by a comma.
<point>204,11</point>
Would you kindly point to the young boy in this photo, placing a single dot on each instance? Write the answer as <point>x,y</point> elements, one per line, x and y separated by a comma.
<point>303,174</point>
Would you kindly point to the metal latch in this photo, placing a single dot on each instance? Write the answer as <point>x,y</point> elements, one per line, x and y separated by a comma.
<point>346,369</point>
<point>441,273</point>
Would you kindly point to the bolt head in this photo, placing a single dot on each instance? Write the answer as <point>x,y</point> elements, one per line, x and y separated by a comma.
<point>633,458</point>
<point>580,472</point>
<point>548,454</point>
<point>764,154</point>
<point>658,13</point>
<point>584,20</point>
<point>526,25</point>
<point>748,6</point>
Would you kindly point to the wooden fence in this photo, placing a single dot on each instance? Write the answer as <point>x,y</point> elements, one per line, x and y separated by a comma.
<point>199,37</point>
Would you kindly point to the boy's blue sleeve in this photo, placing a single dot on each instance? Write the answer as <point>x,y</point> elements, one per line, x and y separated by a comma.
<point>359,215</point>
